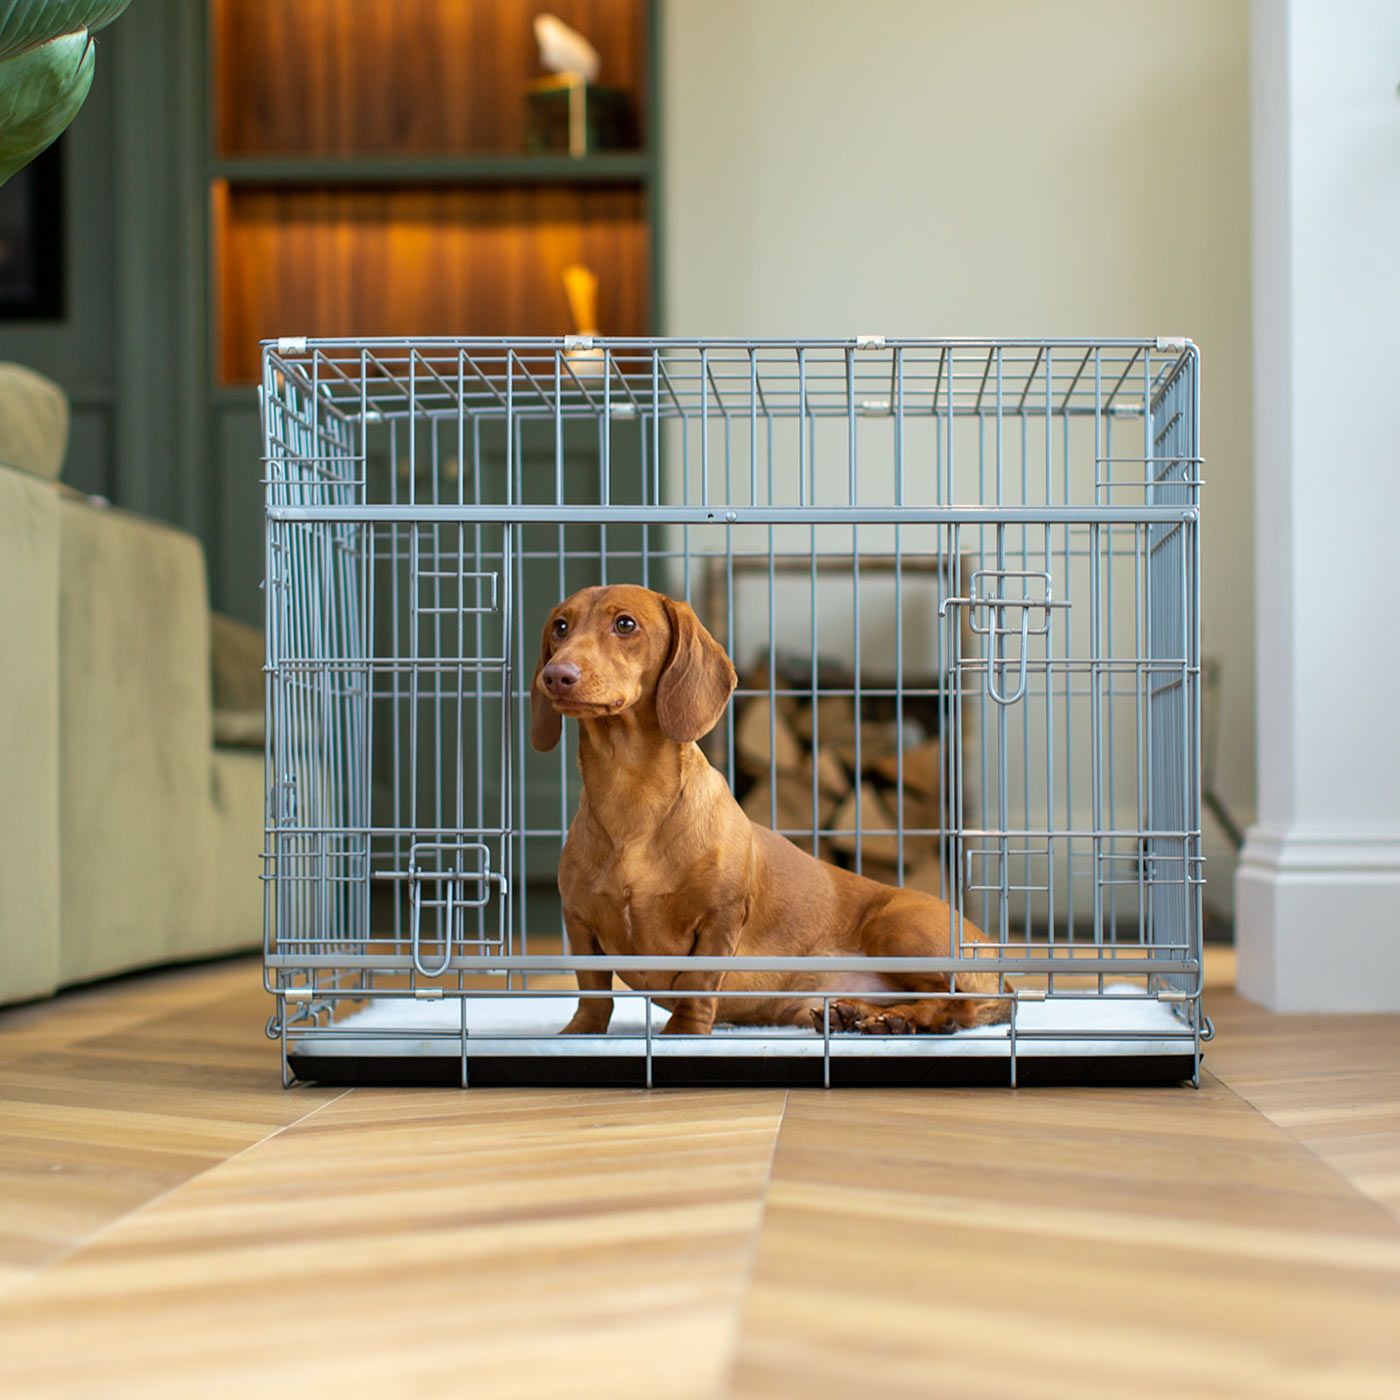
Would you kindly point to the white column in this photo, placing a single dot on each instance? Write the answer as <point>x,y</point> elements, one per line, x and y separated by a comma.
<point>1318,888</point>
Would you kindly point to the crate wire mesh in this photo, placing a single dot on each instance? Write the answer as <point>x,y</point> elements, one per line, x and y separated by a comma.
<point>997,538</point>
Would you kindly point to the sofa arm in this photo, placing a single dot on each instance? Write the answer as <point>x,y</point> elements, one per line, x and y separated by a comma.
<point>29,870</point>
<point>136,805</point>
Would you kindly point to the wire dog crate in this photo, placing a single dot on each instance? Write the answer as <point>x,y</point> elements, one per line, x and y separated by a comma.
<point>961,575</point>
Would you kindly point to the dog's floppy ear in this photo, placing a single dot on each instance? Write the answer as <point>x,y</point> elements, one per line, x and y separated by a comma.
<point>696,684</point>
<point>545,720</point>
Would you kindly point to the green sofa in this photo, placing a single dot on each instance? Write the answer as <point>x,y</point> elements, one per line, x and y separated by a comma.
<point>128,838</point>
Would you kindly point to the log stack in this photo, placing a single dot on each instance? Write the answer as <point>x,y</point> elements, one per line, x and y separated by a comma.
<point>795,760</point>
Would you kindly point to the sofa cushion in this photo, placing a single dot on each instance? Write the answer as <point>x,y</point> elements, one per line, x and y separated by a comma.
<point>238,846</point>
<point>33,422</point>
<point>239,729</point>
<point>236,652</point>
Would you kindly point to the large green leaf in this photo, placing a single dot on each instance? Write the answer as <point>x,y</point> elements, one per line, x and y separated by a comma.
<point>25,24</point>
<point>40,93</point>
<point>46,64</point>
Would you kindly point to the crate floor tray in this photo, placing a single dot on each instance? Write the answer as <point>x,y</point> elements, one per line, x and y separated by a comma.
<point>1118,1038</point>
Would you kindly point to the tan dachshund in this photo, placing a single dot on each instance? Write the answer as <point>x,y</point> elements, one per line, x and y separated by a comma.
<point>660,858</point>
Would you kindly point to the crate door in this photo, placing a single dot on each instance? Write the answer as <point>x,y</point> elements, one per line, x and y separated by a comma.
<point>1007,839</point>
<point>318,721</point>
<point>442,722</point>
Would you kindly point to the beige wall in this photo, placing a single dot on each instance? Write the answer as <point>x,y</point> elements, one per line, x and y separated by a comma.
<point>1006,167</point>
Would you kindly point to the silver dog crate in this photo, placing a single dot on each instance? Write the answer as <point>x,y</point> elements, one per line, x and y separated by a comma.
<point>958,579</point>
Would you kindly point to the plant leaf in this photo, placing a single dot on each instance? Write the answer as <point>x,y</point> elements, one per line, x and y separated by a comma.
<point>40,93</point>
<point>25,24</point>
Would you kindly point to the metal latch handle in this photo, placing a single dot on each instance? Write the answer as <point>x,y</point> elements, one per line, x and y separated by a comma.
<point>451,904</point>
<point>1021,687</point>
<point>414,923</point>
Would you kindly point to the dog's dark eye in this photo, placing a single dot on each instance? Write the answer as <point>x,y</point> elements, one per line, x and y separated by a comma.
<point>559,626</point>
<point>625,624</point>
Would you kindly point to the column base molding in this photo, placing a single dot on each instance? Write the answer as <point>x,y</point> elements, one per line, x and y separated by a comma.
<point>1317,918</point>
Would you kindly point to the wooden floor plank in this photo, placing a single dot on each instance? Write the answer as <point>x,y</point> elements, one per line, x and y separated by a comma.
<point>1332,1082</point>
<point>119,1099</point>
<point>1063,1242</point>
<point>408,1240</point>
<point>82,1013</point>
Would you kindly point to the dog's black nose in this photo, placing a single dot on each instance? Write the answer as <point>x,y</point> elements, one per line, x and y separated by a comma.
<point>560,677</point>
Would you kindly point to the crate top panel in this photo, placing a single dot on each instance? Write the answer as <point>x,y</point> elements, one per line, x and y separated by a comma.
<point>734,380</point>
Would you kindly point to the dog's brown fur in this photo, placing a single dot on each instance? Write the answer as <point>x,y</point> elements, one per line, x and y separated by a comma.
<point>660,858</point>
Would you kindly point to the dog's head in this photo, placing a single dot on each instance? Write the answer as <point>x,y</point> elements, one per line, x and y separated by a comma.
<point>608,650</point>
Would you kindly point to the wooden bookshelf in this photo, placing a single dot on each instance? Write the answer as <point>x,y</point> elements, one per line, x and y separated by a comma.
<point>368,174</point>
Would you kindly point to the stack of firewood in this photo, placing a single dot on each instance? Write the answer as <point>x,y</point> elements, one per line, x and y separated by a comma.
<point>787,749</point>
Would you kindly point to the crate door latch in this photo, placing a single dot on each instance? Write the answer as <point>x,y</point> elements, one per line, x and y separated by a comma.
<point>439,876</point>
<point>991,598</point>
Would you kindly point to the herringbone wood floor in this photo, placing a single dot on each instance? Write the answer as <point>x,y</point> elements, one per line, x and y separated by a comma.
<point>172,1223</point>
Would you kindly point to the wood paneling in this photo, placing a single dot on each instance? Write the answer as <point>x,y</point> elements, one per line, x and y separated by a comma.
<point>405,79</point>
<point>422,261</point>
<point>360,77</point>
